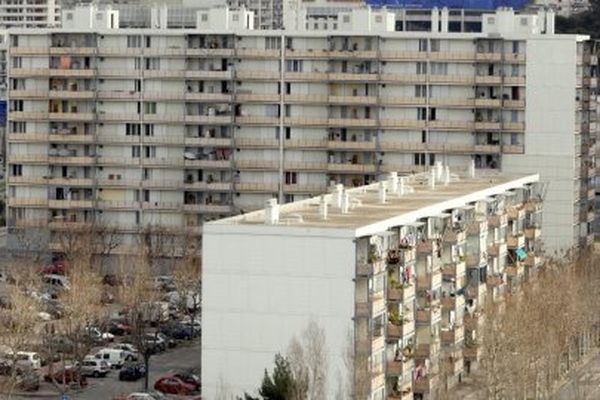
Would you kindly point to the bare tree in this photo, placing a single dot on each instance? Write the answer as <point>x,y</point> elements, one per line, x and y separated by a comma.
<point>187,274</point>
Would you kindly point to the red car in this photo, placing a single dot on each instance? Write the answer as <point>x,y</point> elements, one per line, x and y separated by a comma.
<point>174,385</point>
<point>56,268</point>
<point>66,376</point>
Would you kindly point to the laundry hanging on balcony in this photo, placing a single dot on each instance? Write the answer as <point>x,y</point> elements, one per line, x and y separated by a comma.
<point>521,254</point>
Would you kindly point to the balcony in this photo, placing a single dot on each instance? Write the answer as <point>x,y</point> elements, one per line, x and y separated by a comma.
<point>208,75</point>
<point>257,121</point>
<point>353,77</point>
<point>257,53</point>
<point>426,384</point>
<point>72,204</point>
<point>513,126</point>
<point>305,144</point>
<point>429,315</point>
<point>398,331</point>
<point>345,145</point>
<point>474,321</point>
<point>454,336</point>
<point>401,294</point>
<point>497,249</point>
<point>258,165</point>
<point>208,208</point>
<point>257,98</point>
<point>374,306</point>
<point>533,261</point>
<point>497,221</point>
<point>428,350</point>
<point>454,236</point>
<point>455,270</point>
<point>453,302</point>
<point>516,270</point>
<point>402,101</point>
<point>302,121</point>
<point>304,188</point>
<point>257,187</point>
<point>477,227</point>
<point>516,241</point>
<point>403,78</point>
<point>350,168</point>
<point>359,100</point>
<point>472,352</point>
<point>370,346</point>
<point>515,213</point>
<point>430,281</point>
<point>27,202</point>
<point>533,233</point>
<point>257,75</point>
<point>454,365</point>
<point>399,368</point>
<point>477,292</point>
<point>306,76</point>
<point>205,186</point>
<point>371,268</point>
<point>352,122</point>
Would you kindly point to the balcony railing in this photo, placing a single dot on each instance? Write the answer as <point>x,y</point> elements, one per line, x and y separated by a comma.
<point>430,315</point>
<point>399,368</point>
<point>453,302</point>
<point>398,331</point>
<point>455,270</point>
<point>426,384</point>
<point>430,281</point>
<point>496,221</point>
<point>375,305</point>
<point>516,241</point>
<point>402,294</point>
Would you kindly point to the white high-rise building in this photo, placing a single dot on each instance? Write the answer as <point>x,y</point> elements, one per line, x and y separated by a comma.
<point>29,14</point>
<point>395,274</point>
<point>175,127</point>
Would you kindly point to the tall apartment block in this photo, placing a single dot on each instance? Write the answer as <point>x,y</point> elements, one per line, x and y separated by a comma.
<point>396,273</point>
<point>29,13</point>
<point>177,127</point>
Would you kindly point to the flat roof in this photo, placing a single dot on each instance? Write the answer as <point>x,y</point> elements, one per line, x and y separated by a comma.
<point>367,214</point>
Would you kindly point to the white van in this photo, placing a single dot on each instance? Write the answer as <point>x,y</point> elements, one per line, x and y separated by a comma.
<point>28,360</point>
<point>56,280</point>
<point>114,357</point>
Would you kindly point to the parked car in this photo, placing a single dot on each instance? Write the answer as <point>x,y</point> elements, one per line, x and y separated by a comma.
<point>172,385</point>
<point>94,367</point>
<point>28,360</point>
<point>171,342</point>
<point>154,343</point>
<point>143,396</point>
<point>132,372</point>
<point>100,336</point>
<point>66,376</point>
<point>196,323</point>
<point>177,331</point>
<point>189,378</point>
<point>56,268</point>
<point>118,328</point>
<point>28,381</point>
<point>114,357</point>
<point>131,352</point>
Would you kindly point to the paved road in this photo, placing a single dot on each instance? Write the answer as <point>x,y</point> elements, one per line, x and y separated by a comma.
<point>184,356</point>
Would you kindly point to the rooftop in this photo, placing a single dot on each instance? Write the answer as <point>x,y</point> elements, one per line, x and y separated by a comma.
<point>365,213</point>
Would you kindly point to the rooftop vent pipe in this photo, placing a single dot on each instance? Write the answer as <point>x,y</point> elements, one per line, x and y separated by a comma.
<point>401,186</point>
<point>472,169</point>
<point>345,202</point>
<point>323,207</point>
<point>447,175</point>
<point>432,178</point>
<point>339,190</point>
<point>393,182</point>
<point>381,191</point>
<point>271,212</point>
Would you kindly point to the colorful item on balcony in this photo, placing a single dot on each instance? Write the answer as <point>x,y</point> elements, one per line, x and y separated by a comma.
<point>521,254</point>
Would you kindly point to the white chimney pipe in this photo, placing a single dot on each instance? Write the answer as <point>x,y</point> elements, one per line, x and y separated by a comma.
<point>381,190</point>
<point>271,212</point>
<point>339,190</point>
<point>439,169</point>
<point>323,207</point>
<point>393,182</point>
<point>401,188</point>
<point>447,175</point>
<point>432,178</point>
<point>472,169</point>
<point>345,202</point>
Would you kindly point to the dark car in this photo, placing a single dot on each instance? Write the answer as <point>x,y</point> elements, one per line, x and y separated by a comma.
<point>132,372</point>
<point>111,280</point>
<point>173,385</point>
<point>66,376</point>
<point>177,331</point>
<point>118,328</point>
<point>28,381</point>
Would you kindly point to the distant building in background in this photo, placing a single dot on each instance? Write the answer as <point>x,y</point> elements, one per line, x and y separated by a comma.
<point>565,8</point>
<point>29,13</point>
<point>268,14</point>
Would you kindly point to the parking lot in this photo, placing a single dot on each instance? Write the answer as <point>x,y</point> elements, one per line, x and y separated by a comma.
<point>185,356</point>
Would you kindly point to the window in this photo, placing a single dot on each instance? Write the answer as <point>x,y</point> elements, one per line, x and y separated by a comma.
<point>19,127</point>
<point>431,159</point>
<point>16,105</point>
<point>435,45</point>
<point>432,114</point>
<point>515,47</point>
<point>99,16</point>
<point>235,17</point>
<point>146,174</point>
<point>152,64</point>
<point>149,130</point>
<point>294,65</point>
<point>272,43</point>
<point>16,170</point>
<point>146,194</point>
<point>523,21</point>
<point>419,159</point>
<point>420,91</point>
<point>439,68</point>
<point>134,41</point>
<point>288,132</point>
<point>378,19</point>
<point>132,130</point>
<point>204,17</point>
<point>149,151</point>
<point>491,20</point>
<point>137,85</point>
<point>423,136</point>
<point>291,178</point>
<point>148,41</point>
<point>18,84</point>
<point>70,16</point>
<point>150,107</point>
<point>346,19</point>
<point>135,152</point>
<point>421,68</point>
<point>423,45</point>
<point>137,63</point>
<point>17,62</point>
<point>421,113</point>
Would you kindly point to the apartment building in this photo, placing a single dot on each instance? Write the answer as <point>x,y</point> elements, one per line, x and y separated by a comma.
<point>177,127</point>
<point>396,271</point>
<point>29,13</point>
